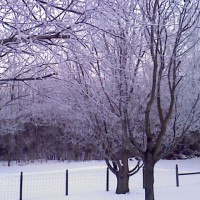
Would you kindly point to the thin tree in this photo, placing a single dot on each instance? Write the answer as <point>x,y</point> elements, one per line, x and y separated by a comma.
<point>168,27</point>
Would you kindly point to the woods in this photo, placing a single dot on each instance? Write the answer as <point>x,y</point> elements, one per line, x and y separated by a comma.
<point>120,78</point>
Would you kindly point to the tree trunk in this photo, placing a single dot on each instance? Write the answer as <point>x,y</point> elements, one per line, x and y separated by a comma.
<point>123,177</point>
<point>149,177</point>
<point>119,166</point>
<point>122,183</point>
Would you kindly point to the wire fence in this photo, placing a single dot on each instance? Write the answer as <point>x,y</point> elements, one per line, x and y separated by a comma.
<point>9,186</point>
<point>57,183</point>
<point>93,179</point>
<point>43,184</point>
<point>183,177</point>
<point>34,185</point>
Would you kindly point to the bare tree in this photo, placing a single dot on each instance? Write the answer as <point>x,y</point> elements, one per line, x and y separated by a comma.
<point>36,34</point>
<point>35,37</point>
<point>168,27</point>
<point>124,79</point>
<point>140,75</point>
<point>107,78</point>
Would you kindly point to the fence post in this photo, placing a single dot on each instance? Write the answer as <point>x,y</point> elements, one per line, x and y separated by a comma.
<point>107,179</point>
<point>143,178</point>
<point>177,178</point>
<point>66,183</point>
<point>21,185</point>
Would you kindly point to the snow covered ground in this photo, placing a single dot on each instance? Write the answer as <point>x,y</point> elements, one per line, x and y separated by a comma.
<point>87,181</point>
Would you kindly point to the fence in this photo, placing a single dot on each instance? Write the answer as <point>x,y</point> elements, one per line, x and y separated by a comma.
<point>185,174</point>
<point>31,186</point>
<point>27,186</point>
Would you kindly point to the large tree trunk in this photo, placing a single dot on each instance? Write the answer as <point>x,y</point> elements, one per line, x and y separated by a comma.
<point>123,178</point>
<point>121,169</point>
<point>149,177</point>
<point>122,185</point>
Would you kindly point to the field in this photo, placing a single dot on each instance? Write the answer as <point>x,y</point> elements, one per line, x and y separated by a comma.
<point>87,181</point>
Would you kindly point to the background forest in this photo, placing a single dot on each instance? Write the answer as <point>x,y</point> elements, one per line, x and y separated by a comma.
<point>83,79</point>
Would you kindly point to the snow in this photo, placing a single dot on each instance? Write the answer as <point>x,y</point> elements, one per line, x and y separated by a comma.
<point>87,181</point>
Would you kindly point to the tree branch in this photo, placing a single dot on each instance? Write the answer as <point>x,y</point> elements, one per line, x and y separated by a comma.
<point>27,79</point>
<point>135,169</point>
<point>112,168</point>
<point>15,39</point>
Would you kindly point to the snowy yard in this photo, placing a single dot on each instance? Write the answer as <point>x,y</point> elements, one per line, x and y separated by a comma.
<point>87,181</point>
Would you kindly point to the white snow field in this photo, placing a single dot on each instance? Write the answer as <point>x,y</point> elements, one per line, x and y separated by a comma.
<point>87,181</point>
